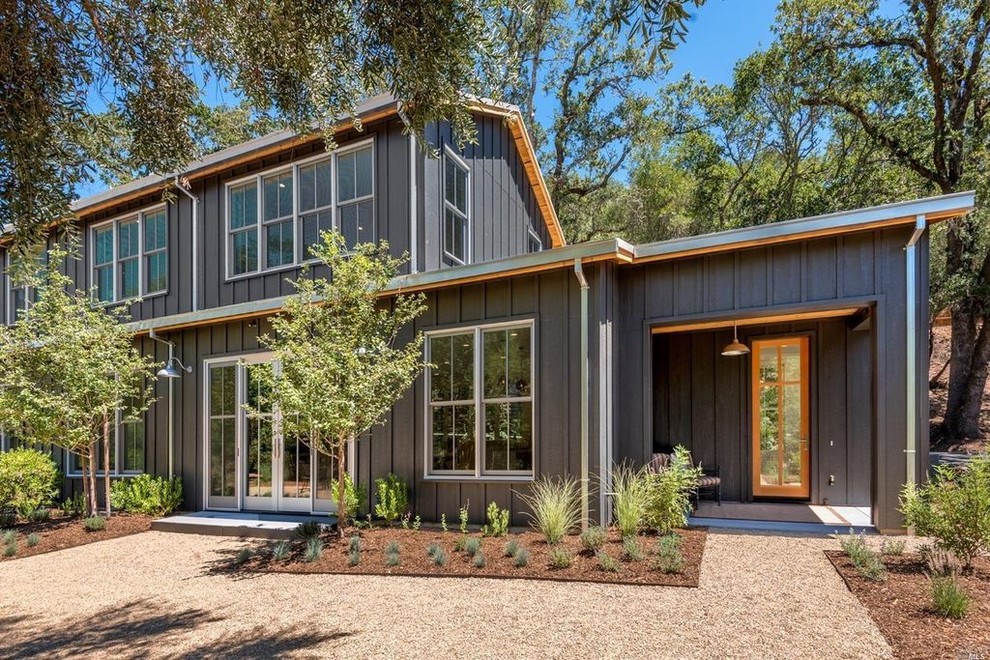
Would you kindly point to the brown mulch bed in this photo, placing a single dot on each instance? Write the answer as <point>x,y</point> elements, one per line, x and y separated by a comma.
<point>900,606</point>
<point>61,533</point>
<point>416,562</point>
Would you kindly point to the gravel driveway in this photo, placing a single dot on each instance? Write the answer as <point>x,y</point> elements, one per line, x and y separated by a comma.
<point>161,594</point>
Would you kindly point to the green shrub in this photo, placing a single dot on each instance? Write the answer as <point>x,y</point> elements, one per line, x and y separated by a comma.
<point>393,498</point>
<point>75,505</point>
<point>33,540</point>
<point>937,561</point>
<point>631,549</point>
<point>462,516</point>
<point>42,514</point>
<point>355,544</point>
<point>146,494</point>
<point>522,558</point>
<point>8,517</point>
<point>561,557</point>
<point>309,530</point>
<point>594,538</point>
<point>669,491</point>
<point>511,548</point>
<point>669,557</point>
<point>9,536</point>
<point>867,562</point>
<point>314,549</point>
<point>432,549</point>
<point>607,562</point>
<point>353,558</point>
<point>443,523</point>
<point>10,550</point>
<point>629,498</point>
<point>29,479</point>
<point>555,505</point>
<point>479,560</point>
<point>460,543</point>
<point>948,598</point>
<point>893,547</point>
<point>354,496</point>
<point>953,508</point>
<point>281,550</point>
<point>95,524</point>
<point>392,548</point>
<point>242,556</point>
<point>440,557</point>
<point>472,546</point>
<point>392,559</point>
<point>498,521</point>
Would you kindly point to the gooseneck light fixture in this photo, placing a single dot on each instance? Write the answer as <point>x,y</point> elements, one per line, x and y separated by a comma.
<point>170,373</point>
<point>736,347</point>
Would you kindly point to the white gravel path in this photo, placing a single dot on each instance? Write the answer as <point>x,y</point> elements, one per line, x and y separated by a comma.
<point>157,594</point>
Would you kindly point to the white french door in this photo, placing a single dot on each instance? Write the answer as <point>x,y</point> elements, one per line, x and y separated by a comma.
<point>250,465</point>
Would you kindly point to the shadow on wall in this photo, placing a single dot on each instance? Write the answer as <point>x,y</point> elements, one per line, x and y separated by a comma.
<point>142,628</point>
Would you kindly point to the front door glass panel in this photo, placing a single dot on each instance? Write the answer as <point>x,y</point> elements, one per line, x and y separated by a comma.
<point>780,418</point>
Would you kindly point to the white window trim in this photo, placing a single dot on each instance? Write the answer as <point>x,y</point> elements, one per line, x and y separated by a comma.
<point>536,237</point>
<point>142,285</point>
<point>461,163</point>
<point>118,438</point>
<point>298,249</point>
<point>479,474</point>
<point>9,313</point>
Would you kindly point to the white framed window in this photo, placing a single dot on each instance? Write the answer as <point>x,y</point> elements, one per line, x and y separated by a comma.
<point>275,217</point>
<point>130,256</point>
<point>535,243</point>
<point>480,401</point>
<point>456,220</point>
<point>127,448</point>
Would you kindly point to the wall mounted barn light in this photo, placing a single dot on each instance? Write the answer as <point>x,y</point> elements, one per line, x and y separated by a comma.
<point>736,347</point>
<point>170,373</point>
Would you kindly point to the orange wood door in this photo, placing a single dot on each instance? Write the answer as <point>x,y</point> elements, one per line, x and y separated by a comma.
<point>780,411</point>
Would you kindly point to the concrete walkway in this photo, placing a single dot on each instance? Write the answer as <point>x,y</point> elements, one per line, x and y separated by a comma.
<point>163,595</point>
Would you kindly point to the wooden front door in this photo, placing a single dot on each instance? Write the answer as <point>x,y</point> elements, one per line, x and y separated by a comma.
<point>780,411</point>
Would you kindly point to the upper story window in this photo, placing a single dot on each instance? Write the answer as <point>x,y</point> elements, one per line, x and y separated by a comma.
<point>275,218</point>
<point>480,408</point>
<point>455,208</point>
<point>535,243</point>
<point>130,256</point>
<point>21,296</point>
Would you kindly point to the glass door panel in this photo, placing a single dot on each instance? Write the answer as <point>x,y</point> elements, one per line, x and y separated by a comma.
<point>781,455</point>
<point>296,476</point>
<point>324,476</point>
<point>260,446</point>
<point>222,442</point>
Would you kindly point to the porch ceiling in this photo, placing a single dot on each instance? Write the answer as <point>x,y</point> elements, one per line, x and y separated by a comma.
<point>764,319</point>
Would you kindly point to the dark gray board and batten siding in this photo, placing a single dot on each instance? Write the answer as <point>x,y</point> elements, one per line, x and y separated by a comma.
<point>865,268</point>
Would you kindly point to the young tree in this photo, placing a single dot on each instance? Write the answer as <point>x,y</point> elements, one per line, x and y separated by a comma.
<point>66,367</point>
<point>339,364</point>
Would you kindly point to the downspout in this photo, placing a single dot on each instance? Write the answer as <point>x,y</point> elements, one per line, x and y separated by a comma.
<point>195,244</point>
<point>413,219</point>
<point>911,270</point>
<point>585,395</point>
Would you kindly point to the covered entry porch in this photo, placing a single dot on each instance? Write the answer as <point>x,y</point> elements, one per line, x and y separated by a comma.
<point>780,404</point>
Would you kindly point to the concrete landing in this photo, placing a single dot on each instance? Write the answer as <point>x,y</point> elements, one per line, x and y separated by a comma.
<point>243,524</point>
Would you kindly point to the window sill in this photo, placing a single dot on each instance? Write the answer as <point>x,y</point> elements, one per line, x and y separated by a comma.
<point>485,478</point>
<point>131,301</point>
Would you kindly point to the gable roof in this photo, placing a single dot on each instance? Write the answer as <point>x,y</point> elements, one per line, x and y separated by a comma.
<point>369,110</point>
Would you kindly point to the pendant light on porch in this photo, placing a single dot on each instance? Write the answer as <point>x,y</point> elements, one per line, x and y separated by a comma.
<point>736,347</point>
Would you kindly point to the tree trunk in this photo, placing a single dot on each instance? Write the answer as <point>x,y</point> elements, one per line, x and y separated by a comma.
<point>93,508</point>
<point>106,461</point>
<point>85,481</point>
<point>341,492</point>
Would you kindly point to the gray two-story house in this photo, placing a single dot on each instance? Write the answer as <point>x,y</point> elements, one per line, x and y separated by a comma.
<point>548,359</point>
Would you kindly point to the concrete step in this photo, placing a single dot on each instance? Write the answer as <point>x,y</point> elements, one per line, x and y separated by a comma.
<point>240,524</point>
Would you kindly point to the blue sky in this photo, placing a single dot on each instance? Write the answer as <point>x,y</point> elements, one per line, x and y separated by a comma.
<point>721,33</point>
